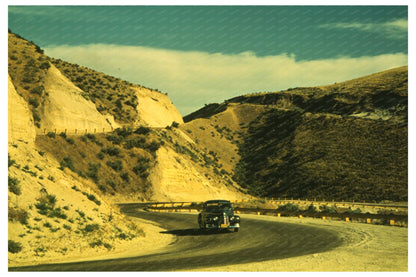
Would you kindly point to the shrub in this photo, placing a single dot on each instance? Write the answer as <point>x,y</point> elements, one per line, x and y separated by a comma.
<point>142,130</point>
<point>153,146</point>
<point>137,142</point>
<point>18,214</point>
<point>38,90</point>
<point>51,134</point>
<point>117,165</point>
<point>288,207</point>
<point>34,102</point>
<point>326,209</point>
<point>311,208</point>
<point>14,247</point>
<point>10,161</point>
<point>102,187</point>
<point>92,198</point>
<point>124,132</point>
<point>114,139</point>
<point>57,213</point>
<point>44,65</point>
<point>112,184</point>
<point>175,124</point>
<point>67,162</point>
<point>125,176</point>
<point>91,228</point>
<point>70,140</point>
<point>112,151</point>
<point>14,186</point>
<point>93,171</point>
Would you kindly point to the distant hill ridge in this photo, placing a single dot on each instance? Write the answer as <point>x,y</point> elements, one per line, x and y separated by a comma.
<point>383,92</point>
<point>342,141</point>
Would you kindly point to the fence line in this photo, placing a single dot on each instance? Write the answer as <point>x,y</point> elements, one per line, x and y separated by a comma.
<point>75,131</point>
<point>388,219</point>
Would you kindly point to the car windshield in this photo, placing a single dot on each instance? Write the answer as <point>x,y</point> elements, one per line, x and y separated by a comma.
<point>218,207</point>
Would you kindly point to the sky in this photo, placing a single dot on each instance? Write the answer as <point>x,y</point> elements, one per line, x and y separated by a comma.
<point>205,54</point>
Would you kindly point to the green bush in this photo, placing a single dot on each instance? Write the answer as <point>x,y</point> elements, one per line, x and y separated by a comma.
<point>67,162</point>
<point>153,146</point>
<point>142,130</point>
<point>137,142</point>
<point>100,155</point>
<point>117,165</point>
<point>112,184</point>
<point>44,65</point>
<point>34,102</point>
<point>125,176</point>
<point>46,206</point>
<point>70,140</point>
<point>10,161</point>
<point>38,90</point>
<point>18,214</point>
<point>51,134</point>
<point>124,132</point>
<point>14,186</point>
<point>14,247</point>
<point>112,151</point>
<point>288,207</point>
<point>92,198</point>
<point>114,139</point>
<point>91,228</point>
<point>93,171</point>
<point>327,209</point>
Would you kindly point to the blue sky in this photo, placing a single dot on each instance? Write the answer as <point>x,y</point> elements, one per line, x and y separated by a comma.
<point>204,54</point>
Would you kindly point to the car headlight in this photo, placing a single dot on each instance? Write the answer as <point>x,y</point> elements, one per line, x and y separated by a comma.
<point>215,218</point>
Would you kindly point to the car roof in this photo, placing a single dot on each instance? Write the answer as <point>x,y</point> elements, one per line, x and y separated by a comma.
<point>217,201</point>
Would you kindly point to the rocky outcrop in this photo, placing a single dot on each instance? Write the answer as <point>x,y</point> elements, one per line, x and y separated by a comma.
<point>21,125</point>
<point>155,109</point>
<point>175,178</point>
<point>64,107</point>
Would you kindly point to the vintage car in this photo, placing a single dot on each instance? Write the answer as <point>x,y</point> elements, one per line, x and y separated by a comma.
<point>218,214</point>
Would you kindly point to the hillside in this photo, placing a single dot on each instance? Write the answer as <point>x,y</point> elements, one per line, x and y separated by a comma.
<point>80,141</point>
<point>63,96</point>
<point>342,141</point>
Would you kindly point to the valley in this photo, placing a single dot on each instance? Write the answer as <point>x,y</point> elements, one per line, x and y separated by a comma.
<point>80,141</point>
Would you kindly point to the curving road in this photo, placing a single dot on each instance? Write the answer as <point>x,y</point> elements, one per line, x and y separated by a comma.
<point>257,240</point>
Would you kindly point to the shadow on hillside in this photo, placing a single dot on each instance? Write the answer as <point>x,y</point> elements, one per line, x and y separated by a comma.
<point>195,232</point>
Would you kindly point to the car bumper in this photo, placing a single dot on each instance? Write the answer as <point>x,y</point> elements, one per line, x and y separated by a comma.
<point>223,226</point>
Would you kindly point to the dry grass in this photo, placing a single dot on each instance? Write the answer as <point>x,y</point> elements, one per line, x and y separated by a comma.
<point>343,141</point>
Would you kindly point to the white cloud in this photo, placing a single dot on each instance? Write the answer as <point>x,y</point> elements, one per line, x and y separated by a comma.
<point>396,29</point>
<point>193,79</point>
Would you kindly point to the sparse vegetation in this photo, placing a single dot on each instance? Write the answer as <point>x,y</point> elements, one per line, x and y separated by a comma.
<point>14,247</point>
<point>18,214</point>
<point>14,186</point>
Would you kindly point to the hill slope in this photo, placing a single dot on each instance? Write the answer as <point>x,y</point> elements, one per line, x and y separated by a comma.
<point>342,141</point>
<point>59,92</point>
<point>80,141</point>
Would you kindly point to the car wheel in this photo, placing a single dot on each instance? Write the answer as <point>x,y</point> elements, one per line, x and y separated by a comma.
<point>235,229</point>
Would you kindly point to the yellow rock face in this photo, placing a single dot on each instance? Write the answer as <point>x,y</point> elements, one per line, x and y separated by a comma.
<point>176,179</point>
<point>66,108</point>
<point>21,124</point>
<point>155,109</point>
